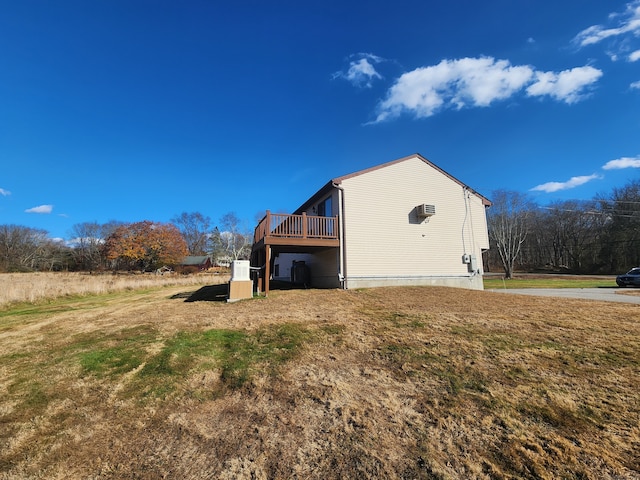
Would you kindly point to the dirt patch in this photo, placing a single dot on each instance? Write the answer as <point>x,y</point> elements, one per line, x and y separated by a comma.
<point>381,383</point>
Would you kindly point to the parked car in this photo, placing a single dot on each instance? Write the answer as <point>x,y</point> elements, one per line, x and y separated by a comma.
<point>631,278</point>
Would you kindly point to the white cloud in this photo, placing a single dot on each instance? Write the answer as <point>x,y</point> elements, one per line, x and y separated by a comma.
<point>624,23</point>
<point>40,209</point>
<point>573,182</point>
<point>4,192</point>
<point>634,56</point>
<point>567,86</point>
<point>361,72</point>
<point>624,162</point>
<point>635,85</point>
<point>477,82</point>
<point>453,83</point>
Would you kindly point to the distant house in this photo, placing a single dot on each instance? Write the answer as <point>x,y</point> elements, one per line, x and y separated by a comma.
<point>405,222</point>
<point>201,262</point>
<point>223,261</point>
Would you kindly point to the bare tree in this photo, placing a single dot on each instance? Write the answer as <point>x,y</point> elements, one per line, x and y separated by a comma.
<point>234,239</point>
<point>508,225</point>
<point>574,227</point>
<point>87,240</point>
<point>537,248</point>
<point>24,249</point>
<point>621,242</point>
<point>53,255</point>
<point>196,230</point>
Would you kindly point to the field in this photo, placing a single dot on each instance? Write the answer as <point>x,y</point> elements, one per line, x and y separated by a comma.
<point>42,286</point>
<point>416,382</point>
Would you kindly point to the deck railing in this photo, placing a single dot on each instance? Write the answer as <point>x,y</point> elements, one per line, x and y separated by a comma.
<point>296,227</point>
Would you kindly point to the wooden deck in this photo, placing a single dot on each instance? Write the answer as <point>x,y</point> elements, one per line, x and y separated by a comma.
<point>296,230</point>
<point>279,232</point>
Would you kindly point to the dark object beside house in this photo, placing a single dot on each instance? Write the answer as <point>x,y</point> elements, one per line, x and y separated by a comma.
<point>629,279</point>
<point>300,274</point>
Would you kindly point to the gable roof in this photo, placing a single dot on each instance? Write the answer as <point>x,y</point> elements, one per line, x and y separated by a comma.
<point>338,180</point>
<point>195,260</point>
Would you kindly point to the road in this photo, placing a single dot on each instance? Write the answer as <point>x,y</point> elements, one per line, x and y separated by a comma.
<point>603,294</point>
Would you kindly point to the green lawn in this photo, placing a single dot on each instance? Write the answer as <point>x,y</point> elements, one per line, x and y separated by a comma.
<point>572,281</point>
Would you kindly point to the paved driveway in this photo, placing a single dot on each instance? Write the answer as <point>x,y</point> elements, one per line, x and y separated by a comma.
<point>604,294</point>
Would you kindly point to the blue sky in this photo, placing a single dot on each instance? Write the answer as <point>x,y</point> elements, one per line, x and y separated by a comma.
<point>140,110</point>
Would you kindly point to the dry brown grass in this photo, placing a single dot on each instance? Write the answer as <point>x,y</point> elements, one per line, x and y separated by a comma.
<point>35,287</point>
<point>430,383</point>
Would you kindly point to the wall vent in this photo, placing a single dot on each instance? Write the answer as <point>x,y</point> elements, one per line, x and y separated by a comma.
<point>425,210</point>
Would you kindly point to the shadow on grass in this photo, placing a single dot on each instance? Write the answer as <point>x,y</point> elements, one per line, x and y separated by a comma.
<point>209,293</point>
<point>219,293</point>
<point>281,285</point>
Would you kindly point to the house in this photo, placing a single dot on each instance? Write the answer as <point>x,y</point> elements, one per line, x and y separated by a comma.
<point>405,222</point>
<point>201,262</point>
<point>223,261</point>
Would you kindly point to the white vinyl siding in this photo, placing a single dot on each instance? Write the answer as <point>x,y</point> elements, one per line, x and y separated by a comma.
<point>385,238</point>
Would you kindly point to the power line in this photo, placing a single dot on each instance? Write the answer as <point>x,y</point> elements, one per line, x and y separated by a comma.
<point>607,213</point>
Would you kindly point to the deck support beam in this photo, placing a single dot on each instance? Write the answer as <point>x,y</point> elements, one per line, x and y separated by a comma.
<point>267,269</point>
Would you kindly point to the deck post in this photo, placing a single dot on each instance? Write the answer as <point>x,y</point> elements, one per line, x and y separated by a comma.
<point>267,268</point>
<point>304,224</point>
<point>267,225</point>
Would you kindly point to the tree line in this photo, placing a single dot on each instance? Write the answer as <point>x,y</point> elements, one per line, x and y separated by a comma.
<point>144,245</point>
<point>601,235</point>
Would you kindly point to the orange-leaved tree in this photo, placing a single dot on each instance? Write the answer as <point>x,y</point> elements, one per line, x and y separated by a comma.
<point>145,245</point>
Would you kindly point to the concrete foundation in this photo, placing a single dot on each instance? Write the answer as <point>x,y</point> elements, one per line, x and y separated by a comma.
<point>468,282</point>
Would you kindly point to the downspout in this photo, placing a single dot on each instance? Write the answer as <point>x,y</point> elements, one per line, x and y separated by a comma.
<point>469,218</point>
<point>464,221</point>
<point>473,234</point>
<point>342,254</point>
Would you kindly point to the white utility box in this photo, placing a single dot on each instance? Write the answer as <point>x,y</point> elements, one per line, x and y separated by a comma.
<point>240,270</point>
<point>241,285</point>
